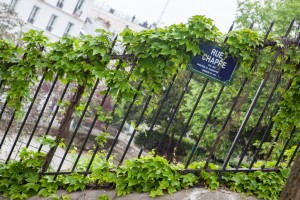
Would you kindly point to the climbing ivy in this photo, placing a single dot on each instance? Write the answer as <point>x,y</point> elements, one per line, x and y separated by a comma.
<point>156,56</point>
<point>21,180</point>
<point>151,174</point>
<point>161,52</point>
<point>20,67</point>
<point>288,115</point>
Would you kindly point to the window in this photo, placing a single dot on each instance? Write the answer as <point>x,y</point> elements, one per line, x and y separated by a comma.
<point>13,4</point>
<point>60,3</point>
<point>111,10</point>
<point>51,22</point>
<point>78,7</point>
<point>68,28</point>
<point>32,15</point>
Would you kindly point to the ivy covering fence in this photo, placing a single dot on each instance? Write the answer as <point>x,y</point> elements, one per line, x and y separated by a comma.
<point>201,127</point>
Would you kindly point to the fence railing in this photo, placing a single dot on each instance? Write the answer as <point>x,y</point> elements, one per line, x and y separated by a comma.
<point>191,122</point>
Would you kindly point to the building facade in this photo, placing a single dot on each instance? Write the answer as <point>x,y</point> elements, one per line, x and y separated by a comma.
<point>58,18</point>
<point>55,17</point>
<point>103,16</point>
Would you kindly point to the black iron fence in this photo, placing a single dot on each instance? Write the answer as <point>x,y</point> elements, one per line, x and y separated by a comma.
<point>193,119</point>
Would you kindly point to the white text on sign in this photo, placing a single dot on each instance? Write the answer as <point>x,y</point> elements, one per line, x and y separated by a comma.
<point>216,57</point>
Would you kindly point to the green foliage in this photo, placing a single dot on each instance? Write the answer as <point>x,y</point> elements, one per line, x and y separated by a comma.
<point>49,186</point>
<point>74,182</point>
<point>288,115</point>
<point>151,174</point>
<point>80,59</point>
<point>161,52</point>
<point>246,46</point>
<point>20,179</point>
<point>263,12</point>
<point>19,66</point>
<point>209,178</point>
<point>65,197</point>
<point>101,138</point>
<point>103,197</point>
<point>158,55</point>
<point>103,170</point>
<point>266,185</point>
<point>242,44</point>
<point>47,140</point>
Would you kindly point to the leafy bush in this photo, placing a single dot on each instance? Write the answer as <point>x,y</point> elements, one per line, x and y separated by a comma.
<point>266,185</point>
<point>20,179</point>
<point>151,174</point>
<point>209,178</point>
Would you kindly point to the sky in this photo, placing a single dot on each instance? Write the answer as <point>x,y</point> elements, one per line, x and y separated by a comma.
<point>176,11</point>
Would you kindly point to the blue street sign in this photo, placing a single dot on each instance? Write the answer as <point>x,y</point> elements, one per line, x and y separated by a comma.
<point>213,63</point>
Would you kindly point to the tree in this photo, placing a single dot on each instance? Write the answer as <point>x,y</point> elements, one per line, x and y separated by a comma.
<point>10,24</point>
<point>292,190</point>
<point>80,59</point>
<point>261,13</point>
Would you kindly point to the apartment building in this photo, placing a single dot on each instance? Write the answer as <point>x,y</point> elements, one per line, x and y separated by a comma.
<point>104,16</point>
<point>58,18</point>
<point>55,17</point>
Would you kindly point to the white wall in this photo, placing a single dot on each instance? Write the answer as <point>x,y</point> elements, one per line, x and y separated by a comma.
<point>49,8</point>
<point>117,20</point>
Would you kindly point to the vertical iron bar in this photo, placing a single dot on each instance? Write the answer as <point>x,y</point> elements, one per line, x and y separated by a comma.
<point>213,147</point>
<point>174,113</point>
<point>225,40</point>
<point>294,154</point>
<point>230,29</point>
<point>42,111</point>
<point>286,145</point>
<point>83,113</point>
<point>251,107</point>
<point>1,83</point>
<point>106,126</point>
<point>3,108</point>
<point>7,129</point>
<point>266,133</point>
<point>123,122</point>
<point>248,114</point>
<point>157,113</point>
<point>97,146</point>
<point>135,129</point>
<point>190,117</point>
<point>253,133</point>
<point>25,119</point>
<point>77,126</point>
<point>273,145</point>
<point>268,129</point>
<point>55,112</point>
<point>90,130</point>
<point>204,126</point>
